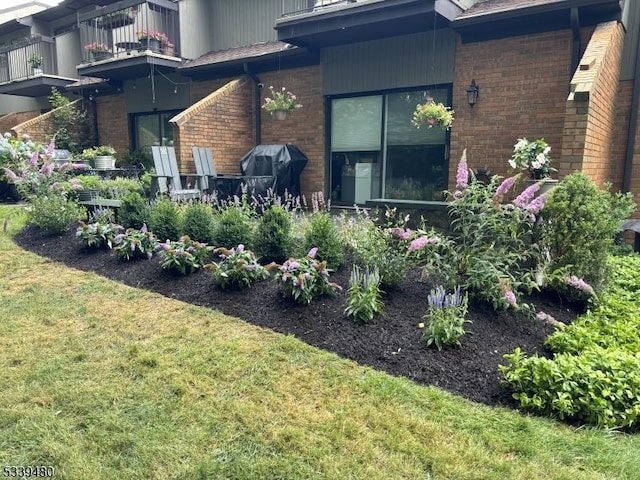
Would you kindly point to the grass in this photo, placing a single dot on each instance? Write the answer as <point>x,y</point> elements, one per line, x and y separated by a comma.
<point>103,381</point>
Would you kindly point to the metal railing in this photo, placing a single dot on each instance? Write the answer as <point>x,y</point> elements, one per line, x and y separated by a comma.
<point>34,55</point>
<point>130,26</point>
<point>291,8</point>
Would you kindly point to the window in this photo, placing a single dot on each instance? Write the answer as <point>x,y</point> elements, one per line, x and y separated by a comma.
<point>151,128</point>
<point>376,152</point>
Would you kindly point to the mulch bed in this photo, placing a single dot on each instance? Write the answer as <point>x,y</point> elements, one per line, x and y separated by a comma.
<point>392,343</point>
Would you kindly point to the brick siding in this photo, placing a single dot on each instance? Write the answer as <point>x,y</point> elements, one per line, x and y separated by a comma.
<point>10,120</point>
<point>113,123</point>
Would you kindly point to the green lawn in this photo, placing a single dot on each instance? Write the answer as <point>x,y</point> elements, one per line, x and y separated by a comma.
<point>102,381</point>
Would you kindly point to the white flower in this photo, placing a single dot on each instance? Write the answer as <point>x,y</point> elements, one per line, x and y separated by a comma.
<point>512,163</point>
<point>522,142</point>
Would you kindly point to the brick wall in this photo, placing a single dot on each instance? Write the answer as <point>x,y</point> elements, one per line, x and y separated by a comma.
<point>303,127</point>
<point>113,123</point>
<point>222,121</point>
<point>41,128</point>
<point>592,120</point>
<point>10,120</point>
<point>524,83</point>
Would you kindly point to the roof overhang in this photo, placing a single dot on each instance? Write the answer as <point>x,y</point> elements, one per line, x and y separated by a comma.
<point>364,20</point>
<point>130,66</point>
<point>534,18</point>
<point>37,86</point>
<point>292,58</point>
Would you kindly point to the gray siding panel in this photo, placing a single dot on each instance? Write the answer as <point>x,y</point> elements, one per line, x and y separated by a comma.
<point>68,54</point>
<point>195,28</point>
<point>239,23</point>
<point>398,62</point>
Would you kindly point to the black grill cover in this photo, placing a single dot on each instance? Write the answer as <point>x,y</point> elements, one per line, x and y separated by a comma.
<point>286,162</point>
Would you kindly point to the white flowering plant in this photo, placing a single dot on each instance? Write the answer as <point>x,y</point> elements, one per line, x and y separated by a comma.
<point>281,100</point>
<point>533,157</point>
<point>432,114</point>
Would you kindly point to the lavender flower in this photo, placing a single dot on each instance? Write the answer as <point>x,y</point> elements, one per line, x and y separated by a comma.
<point>462,175</point>
<point>510,297</point>
<point>421,242</point>
<point>505,186</point>
<point>313,252</point>
<point>580,284</point>
<point>537,204</point>
<point>526,197</point>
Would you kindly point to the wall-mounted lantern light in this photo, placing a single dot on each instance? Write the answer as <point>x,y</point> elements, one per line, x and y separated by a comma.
<point>472,93</point>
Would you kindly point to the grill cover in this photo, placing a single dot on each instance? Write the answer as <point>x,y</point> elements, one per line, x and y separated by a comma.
<point>285,161</point>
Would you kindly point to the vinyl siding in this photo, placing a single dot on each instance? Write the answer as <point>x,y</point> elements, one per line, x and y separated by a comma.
<point>398,62</point>
<point>238,23</point>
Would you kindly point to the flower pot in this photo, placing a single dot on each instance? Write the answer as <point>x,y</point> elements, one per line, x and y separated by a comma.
<point>37,70</point>
<point>168,50</point>
<point>99,56</point>
<point>150,44</point>
<point>546,185</point>
<point>104,162</point>
<point>279,114</point>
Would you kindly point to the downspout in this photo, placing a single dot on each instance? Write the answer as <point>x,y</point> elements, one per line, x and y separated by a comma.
<point>576,47</point>
<point>633,123</point>
<point>258,115</point>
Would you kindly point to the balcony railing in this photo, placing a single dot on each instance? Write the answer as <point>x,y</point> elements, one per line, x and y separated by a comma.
<point>31,57</point>
<point>296,7</point>
<point>129,27</point>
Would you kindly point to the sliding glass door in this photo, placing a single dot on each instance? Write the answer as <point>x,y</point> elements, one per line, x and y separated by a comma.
<point>376,152</point>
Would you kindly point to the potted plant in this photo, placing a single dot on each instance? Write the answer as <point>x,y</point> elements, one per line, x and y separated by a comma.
<point>280,103</point>
<point>99,51</point>
<point>433,114</point>
<point>532,157</point>
<point>35,61</point>
<point>168,48</point>
<point>151,39</point>
<point>105,157</point>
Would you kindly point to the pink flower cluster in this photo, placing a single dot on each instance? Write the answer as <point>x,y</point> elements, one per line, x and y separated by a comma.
<point>421,242</point>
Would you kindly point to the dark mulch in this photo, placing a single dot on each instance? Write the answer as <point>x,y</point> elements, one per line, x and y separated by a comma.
<point>392,343</point>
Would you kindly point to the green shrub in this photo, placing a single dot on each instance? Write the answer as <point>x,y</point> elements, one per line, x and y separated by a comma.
<point>272,241</point>
<point>164,220</point>
<point>378,249</point>
<point>53,213</point>
<point>233,227</point>
<point>134,211</point>
<point>198,222</point>
<point>599,386</point>
<point>322,232</point>
<point>579,226</point>
<point>364,295</point>
<point>120,187</point>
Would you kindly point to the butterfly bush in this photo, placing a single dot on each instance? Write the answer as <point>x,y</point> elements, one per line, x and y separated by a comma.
<point>97,234</point>
<point>134,243</point>
<point>303,279</point>
<point>238,268</point>
<point>184,256</point>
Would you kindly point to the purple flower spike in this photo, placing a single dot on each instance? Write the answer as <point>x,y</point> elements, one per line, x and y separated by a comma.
<point>505,186</point>
<point>462,176</point>
<point>35,156</point>
<point>313,252</point>
<point>537,204</point>
<point>510,297</point>
<point>525,197</point>
<point>241,248</point>
<point>144,228</point>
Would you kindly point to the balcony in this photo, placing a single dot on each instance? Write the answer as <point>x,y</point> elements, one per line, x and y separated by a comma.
<point>29,68</point>
<point>322,23</point>
<point>128,38</point>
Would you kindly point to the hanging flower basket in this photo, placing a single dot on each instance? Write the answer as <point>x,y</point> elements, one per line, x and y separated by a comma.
<point>432,114</point>
<point>280,103</point>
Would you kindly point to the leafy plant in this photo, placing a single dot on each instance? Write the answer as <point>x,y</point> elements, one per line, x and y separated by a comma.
<point>165,220</point>
<point>578,229</point>
<point>198,222</point>
<point>532,157</point>
<point>378,249</point>
<point>364,295</point>
<point>134,243</point>
<point>97,234</point>
<point>233,227</point>
<point>446,317</point>
<point>53,213</point>
<point>323,233</point>
<point>304,279</point>
<point>238,268</point>
<point>281,100</point>
<point>72,128</point>
<point>272,241</point>
<point>184,256</point>
<point>134,211</point>
<point>119,187</point>
<point>35,60</point>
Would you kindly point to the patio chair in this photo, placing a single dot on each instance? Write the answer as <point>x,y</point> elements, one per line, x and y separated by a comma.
<point>227,185</point>
<point>168,179</point>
